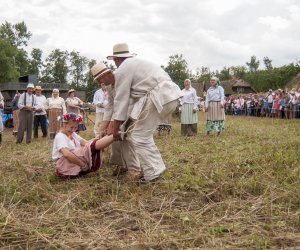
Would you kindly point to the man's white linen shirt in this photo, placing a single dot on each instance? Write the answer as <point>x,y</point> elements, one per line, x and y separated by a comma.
<point>40,102</point>
<point>135,78</point>
<point>100,100</point>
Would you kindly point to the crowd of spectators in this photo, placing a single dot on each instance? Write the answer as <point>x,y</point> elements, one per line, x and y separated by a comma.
<point>284,104</point>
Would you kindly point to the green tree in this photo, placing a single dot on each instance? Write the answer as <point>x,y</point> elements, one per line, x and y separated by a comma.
<point>22,61</point>
<point>253,65</point>
<point>8,70</point>
<point>78,67</point>
<point>91,85</point>
<point>238,71</point>
<point>203,74</point>
<point>56,68</point>
<point>268,63</point>
<point>17,34</point>
<point>35,63</point>
<point>177,68</point>
<point>224,74</point>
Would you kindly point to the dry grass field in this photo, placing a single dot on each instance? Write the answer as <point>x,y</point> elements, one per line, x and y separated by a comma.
<point>240,190</point>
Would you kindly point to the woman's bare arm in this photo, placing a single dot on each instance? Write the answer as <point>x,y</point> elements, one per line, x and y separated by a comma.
<point>71,157</point>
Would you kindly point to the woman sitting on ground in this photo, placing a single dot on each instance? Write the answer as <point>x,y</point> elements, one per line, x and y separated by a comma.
<point>74,155</point>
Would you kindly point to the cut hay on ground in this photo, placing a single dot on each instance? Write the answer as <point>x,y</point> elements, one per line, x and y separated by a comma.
<point>237,191</point>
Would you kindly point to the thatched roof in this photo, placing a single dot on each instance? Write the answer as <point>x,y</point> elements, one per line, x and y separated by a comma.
<point>294,83</point>
<point>241,83</point>
<point>227,85</point>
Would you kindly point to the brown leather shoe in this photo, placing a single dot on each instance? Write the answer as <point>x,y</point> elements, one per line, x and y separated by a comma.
<point>119,170</point>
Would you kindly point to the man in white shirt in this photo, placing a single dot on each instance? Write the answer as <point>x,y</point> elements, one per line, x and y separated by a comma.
<point>40,116</point>
<point>26,105</point>
<point>100,101</point>
<point>144,94</point>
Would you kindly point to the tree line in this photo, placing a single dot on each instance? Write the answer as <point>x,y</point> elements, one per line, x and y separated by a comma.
<point>73,68</point>
<point>260,79</point>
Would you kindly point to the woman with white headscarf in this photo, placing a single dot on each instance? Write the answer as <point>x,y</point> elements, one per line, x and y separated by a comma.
<point>56,106</point>
<point>214,105</point>
<point>189,107</point>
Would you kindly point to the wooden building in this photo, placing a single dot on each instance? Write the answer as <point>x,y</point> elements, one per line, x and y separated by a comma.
<point>8,90</point>
<point>231,87</point>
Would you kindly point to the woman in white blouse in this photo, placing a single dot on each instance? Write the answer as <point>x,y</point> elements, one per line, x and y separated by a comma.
<point>214,105</point>
<point>189,107</point>
<point>56,106</point>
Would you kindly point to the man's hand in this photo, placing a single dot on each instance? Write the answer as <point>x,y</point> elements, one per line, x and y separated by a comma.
<point>116,128</point>
<point>102,133</point>
<point>194,110</point>
<point>116,136</point>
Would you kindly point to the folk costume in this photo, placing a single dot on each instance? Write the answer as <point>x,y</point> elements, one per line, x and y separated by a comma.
<point>189,106</point>
<point>73,106</point>
<point>26,115</point>
<point>215,113</point>
<point>100,101</point>
<point>87,153</point>
<point>40,115</point>
<point>56,107</point>
<point>122,152</point>
<point>145,94</point>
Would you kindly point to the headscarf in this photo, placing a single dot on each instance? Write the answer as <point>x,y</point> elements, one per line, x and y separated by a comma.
<point>216,79</point>
<point>55,90</point>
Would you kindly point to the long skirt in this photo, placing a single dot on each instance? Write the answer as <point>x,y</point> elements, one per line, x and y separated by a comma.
<point>215,117</point>
<point>16,120</point>
<point>54,124</point>
<point>89,154</point>
<point>189,120</point>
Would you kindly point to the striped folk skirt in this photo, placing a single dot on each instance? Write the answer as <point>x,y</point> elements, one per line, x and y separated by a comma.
<point>54,124</point>
<point>215,117</point>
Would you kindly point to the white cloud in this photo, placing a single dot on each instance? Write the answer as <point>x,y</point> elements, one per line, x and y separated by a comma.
<point>212,33</point>
<point>275,23</point>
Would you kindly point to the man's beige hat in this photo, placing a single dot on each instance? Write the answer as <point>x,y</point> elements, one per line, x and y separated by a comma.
<point>99,70</point>
<point>121,50</point>
<point>38,88</point>
<point>30,85</point>
<point>71,90</point>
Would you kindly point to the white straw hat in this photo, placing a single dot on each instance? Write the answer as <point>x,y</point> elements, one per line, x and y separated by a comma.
<point>121,50</point>
<point>99,70</point>
<point>30,85</point>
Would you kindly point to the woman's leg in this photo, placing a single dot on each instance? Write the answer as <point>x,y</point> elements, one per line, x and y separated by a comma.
<point>104,142</point>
